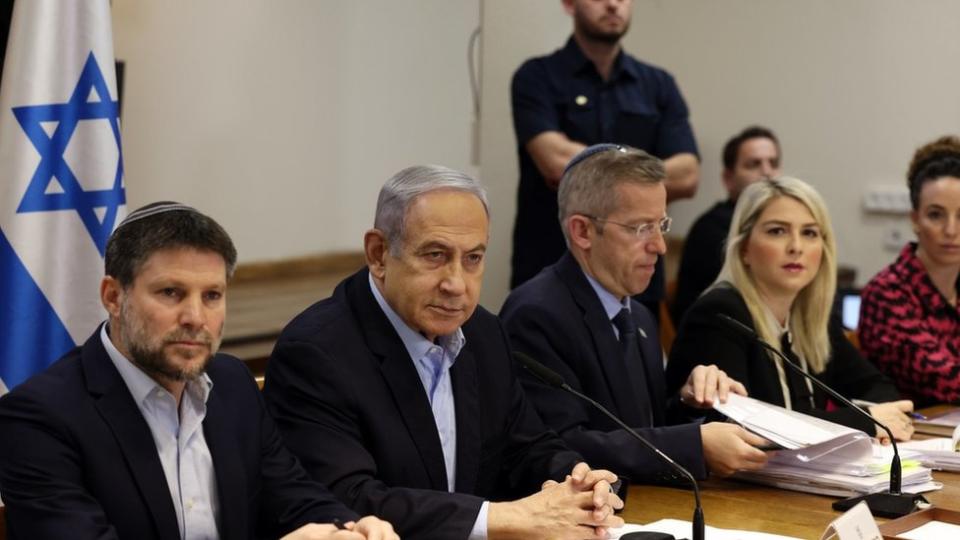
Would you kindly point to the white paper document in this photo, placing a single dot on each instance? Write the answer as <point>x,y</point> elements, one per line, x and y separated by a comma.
<point>938,453</point>
<point>682,529</point>
<point>932,530</point>
<point>790,429</point>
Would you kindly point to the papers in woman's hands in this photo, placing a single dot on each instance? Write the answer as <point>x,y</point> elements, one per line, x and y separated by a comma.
<point>788,429</point>
<point>819,456</point>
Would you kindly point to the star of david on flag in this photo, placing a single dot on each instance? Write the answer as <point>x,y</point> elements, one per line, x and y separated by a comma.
<point>61,180</point>
<point>54,185</point>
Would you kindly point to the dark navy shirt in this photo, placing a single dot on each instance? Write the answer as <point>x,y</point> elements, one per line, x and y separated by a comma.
<point>640,106</point>
<point>703,255</point>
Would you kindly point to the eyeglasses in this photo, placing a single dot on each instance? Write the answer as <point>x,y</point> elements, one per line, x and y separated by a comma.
<point>642,231</point>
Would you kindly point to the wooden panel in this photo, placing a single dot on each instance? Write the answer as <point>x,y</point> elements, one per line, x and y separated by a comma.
<point>263,297</point>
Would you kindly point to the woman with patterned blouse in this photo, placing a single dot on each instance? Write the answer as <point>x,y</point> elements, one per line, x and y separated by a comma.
<point>909,317</point>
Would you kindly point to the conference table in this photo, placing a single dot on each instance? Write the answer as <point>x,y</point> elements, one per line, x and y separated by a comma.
<point>731,504</point>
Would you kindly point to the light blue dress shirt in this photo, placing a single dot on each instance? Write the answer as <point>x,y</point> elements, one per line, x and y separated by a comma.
<point>181,446</point>
<point>433,362</point>
<point>611,304</point>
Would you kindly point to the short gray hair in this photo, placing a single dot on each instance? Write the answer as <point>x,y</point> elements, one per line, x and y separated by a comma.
<point>403,188</point>
<point>587,186</point>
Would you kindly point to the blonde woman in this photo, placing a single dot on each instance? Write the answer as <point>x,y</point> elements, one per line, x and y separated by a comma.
<point>779,278</point>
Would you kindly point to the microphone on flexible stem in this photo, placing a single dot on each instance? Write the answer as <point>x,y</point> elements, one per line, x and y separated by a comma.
<point>554,379</point>
<point>892,503</point>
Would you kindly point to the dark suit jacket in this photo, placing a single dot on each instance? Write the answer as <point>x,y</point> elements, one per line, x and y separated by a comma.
<point>78,460</point>
<point>558,319</point>
<point>703,338</point>
<point>702,258</point>
<point>349,402</point>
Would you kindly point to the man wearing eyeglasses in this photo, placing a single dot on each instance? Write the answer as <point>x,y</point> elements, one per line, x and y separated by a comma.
<point>577,317</point>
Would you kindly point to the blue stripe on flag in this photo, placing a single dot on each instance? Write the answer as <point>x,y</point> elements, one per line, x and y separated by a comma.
<point>33,336</point>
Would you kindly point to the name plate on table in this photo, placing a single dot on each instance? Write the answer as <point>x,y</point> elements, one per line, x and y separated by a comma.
<point>856,524</point>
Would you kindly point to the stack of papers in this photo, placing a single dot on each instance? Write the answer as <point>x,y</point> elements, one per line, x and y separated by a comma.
<point>940,453</point>
<point>819,456</point>
<point>916,479</point>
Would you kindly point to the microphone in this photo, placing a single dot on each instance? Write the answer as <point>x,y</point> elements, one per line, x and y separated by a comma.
<point>893,503</point>
<point>554,379</point>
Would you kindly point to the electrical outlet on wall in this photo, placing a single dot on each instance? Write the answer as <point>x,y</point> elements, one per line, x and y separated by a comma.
<point>887,200</point>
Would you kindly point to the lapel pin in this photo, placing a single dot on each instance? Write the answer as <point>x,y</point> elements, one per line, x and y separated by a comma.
<point>580,100</point>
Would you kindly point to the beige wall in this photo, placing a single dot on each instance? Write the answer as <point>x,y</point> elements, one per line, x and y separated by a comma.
<point>851,88</point>
<point>282,118</point>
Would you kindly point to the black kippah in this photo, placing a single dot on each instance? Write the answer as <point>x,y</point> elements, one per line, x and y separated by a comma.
<point>591,150</point>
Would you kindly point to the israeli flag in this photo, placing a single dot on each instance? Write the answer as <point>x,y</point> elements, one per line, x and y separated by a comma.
<point>61,179</point>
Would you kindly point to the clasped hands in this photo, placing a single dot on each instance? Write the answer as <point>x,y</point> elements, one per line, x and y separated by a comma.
<point>582,506</point>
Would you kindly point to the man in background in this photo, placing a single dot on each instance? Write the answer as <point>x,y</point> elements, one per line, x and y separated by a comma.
<point>751,155</point>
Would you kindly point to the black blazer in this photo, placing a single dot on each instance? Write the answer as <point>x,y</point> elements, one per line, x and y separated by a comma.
<point>349,402</point>
<point>703,339</point>
<point>558,319</point>
<point>78,460</point>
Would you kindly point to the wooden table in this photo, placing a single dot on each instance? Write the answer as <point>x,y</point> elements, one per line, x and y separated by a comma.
<point>730,504</point>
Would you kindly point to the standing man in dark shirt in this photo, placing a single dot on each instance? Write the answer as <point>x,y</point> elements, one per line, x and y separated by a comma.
<point>589,92</point>
<point>751,155</point>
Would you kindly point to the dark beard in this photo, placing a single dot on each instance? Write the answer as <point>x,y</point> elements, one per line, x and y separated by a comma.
<point>154,362</point>
<point>150,358</point>
<point>589,31</point>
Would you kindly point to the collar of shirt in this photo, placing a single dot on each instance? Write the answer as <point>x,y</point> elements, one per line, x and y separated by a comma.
<point>417,346</point>
<point>912,270</point>
<point>140,384</point>
<point>779,329</point>
<point>578,63</point>
<point>611,304</point>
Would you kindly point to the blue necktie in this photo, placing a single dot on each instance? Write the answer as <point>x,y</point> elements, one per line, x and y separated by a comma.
<point>634,364</point>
